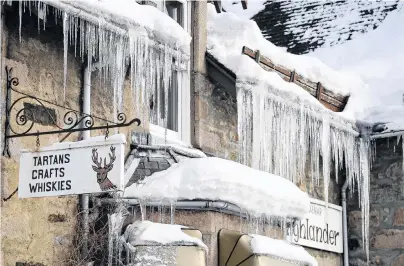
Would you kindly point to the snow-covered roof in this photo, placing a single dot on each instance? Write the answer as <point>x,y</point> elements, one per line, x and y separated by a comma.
<point>149,233</point>
<point>256,192</point>
<point>126,15</point>
<point>228,33</point>
<point>281,249</point>
<point>303,26</point>
<point>377,58</point>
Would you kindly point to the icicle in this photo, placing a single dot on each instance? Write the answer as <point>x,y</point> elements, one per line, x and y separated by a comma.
<point>172,212</point>
<point>402,146</point>
<point>38,9</point>
<point>142,211</point>
<point>326,155</point>
<point>20,3</point>
<point>65,50</point>
<point>2,107</point>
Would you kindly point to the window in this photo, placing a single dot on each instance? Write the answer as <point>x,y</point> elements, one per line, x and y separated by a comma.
<point>178,109</point>
<point>175,10</point>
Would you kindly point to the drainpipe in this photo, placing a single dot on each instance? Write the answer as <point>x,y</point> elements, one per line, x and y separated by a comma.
<point>344,222</point>
<point>84,198</point>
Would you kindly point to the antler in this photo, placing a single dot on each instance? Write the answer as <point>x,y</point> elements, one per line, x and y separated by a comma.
<point>95,158</point>
<point>112,158</point>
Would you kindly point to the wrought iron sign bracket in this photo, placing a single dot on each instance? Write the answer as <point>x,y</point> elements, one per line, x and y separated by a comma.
<point>24,121</point>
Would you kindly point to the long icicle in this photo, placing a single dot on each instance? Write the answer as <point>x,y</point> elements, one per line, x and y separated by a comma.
<point>65,50</point>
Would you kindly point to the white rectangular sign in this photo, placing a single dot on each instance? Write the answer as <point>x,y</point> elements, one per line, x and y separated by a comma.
<point>321,228</point>
<point>90,166</point>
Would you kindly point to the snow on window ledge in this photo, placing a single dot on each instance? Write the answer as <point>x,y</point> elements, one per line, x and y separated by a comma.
<point>282,249</point>
<point>149,233</point>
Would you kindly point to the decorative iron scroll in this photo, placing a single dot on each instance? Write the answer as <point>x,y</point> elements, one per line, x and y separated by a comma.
<point>73,121</point>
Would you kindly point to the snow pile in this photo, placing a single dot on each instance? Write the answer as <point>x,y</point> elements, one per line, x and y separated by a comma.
<point>281,249</point>
<point>227,34</point>
<point>377,58</point>
<point>116,34</point>
<point>254,191</point>
<point>149,233</point>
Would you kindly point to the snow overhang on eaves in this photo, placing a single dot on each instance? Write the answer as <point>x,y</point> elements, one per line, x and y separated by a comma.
<point>227,80</point>
<point>217,180</point>
<point>127,16</point>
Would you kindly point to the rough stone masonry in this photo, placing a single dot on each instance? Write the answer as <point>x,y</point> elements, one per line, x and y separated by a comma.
<point>386,210</point>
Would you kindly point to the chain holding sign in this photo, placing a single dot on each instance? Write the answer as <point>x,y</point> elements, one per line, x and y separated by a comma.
<point>89,166</point>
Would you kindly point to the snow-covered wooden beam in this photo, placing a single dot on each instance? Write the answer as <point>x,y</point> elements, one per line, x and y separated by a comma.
<point>331,100</point>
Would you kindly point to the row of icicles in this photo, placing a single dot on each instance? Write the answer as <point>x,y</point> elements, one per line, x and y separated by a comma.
<point>299,143</point>
<point>275,136</point>
<point>153,65</point>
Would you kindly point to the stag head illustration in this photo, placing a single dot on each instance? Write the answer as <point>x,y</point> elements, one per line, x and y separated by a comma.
<point>102,171</point>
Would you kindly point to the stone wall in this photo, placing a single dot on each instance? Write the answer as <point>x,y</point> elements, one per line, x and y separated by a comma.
<point>36,231</point>
<point>41,231</point>
<point>386,210</point>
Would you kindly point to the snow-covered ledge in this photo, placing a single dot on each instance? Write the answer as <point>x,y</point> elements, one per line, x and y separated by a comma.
<point>123,15</point>
<point>116,34</point>
<point>258,193</point>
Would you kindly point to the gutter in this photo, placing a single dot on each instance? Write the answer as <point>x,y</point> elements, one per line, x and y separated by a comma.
<point>198,205</point>
<point>344,222</point>
<point>393,133</point>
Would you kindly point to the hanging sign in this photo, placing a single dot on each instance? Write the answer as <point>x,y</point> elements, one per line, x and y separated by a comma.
<point>321,228</point>
<point>88,166</point>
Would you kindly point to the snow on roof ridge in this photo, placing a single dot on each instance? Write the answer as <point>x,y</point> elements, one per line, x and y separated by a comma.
<point>228,33</point>
<point>211,178</point>
<point>281,249</point>
<point>126,15</point>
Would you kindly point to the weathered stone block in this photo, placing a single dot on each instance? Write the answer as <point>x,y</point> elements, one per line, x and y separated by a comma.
<point>399,217</point>
<point>29,264</point>
<point>355,219</point>
<point>40,114</point>
<point>399,261</point>
<point>385,193</point>
<point>388,239</point>
<point>57,218</point>
<point>395,171</point>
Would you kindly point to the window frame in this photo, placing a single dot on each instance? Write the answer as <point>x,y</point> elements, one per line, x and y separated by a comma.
<point>183,135</point>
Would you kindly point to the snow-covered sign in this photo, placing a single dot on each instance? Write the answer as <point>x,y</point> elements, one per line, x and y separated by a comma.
<point>321,228</point>
<point>88,166</point>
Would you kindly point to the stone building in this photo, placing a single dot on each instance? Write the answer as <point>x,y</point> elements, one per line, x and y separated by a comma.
<point>202,120</point>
